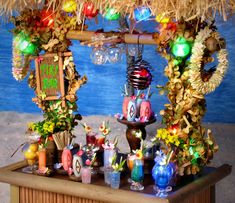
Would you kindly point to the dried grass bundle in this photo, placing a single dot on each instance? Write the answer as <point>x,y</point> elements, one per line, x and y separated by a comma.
<point>176,9</point>
<point>7,7</point>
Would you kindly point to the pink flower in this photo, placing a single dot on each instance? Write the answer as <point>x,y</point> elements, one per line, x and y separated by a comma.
<point>80,153</point>
<point>88,162</point>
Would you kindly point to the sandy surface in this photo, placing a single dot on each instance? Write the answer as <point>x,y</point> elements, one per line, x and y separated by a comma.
<point>13,126</point>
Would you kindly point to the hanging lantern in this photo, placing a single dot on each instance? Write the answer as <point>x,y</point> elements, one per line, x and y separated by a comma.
<point>181,47</point>
<point>47,18</point>
<point>89,10</point>
<point>69,6</point>
<point>142,13</point>
<point>24,45</point>
<point>140,77</point>
<point>111,14</point>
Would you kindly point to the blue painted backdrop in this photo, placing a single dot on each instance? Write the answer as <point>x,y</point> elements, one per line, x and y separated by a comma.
<point>102,94</point>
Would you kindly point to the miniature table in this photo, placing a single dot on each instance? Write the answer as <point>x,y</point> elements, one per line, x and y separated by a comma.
<point>28,188</point>
<point>132,127</point>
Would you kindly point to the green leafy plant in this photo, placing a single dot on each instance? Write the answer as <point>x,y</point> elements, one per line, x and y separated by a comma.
<point>117,166</point>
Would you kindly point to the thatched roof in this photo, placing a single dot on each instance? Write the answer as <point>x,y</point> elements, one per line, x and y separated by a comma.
<point>188,9</point>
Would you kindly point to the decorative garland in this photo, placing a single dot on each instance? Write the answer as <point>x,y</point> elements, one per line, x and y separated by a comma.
<point>195,77</point>
<point>20,63</point>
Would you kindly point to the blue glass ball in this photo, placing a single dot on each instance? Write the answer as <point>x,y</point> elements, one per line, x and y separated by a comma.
<point>142,13</point>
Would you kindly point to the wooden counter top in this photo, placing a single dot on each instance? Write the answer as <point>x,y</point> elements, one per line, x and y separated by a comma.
<point>98,191</point>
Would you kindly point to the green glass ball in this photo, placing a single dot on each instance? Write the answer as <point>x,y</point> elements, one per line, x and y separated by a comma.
<point>30,49</point>
<point>181,47</point>
<point>111,14</point>
<point>23,43</point>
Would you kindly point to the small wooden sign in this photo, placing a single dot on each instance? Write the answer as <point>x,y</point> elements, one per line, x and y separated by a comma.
<point>50,77</point>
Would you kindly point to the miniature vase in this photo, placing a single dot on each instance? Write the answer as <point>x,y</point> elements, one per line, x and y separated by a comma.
<point>115,179</point>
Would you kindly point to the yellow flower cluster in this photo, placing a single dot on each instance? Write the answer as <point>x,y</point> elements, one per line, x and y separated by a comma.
<point>167,137</point>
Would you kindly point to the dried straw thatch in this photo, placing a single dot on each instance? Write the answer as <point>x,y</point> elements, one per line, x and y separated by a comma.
<point>188,9</point>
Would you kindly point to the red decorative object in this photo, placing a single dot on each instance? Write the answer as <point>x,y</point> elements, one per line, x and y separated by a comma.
<point>89,10</point>
<point>47,18</point>
<point>140,76</point>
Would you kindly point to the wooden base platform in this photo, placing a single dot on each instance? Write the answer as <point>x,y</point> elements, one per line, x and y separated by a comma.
<point>28,188</point>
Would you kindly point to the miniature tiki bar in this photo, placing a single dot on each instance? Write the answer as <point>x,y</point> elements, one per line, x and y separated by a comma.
<point>185,35</point>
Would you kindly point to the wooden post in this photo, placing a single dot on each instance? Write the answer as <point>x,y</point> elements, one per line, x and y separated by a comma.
<point>126,38</point>
<point>14,194</point>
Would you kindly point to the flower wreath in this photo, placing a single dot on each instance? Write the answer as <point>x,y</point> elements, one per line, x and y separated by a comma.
<point>195,64</point>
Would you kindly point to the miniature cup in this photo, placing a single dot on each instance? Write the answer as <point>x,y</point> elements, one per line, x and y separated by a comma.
<point>86,175</point>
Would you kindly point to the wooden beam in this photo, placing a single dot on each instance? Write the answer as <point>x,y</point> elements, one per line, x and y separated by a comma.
<point>126,38</point>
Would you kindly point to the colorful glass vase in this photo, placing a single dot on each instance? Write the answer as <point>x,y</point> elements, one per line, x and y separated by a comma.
<point>145,110</point>
<point>162,174</point>
<point>131,110</point>
<point>137,175</point>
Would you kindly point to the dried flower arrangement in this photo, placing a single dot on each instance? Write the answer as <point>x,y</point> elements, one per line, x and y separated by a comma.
<point>44,30</point>
<point>192,146</point>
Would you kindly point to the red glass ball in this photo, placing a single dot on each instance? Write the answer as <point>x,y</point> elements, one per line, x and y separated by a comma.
<point>89,10</point>
<point>47,18</point>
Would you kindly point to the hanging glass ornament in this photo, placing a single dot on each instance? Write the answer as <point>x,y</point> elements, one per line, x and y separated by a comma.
<point>139,75</point>
<point>111,14</point>
<point>89,10</point>
<point>114,54</point>
<point>142,13</point>
<point>69,6</point>
<point>181,47</point>
<point>98,55</point>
